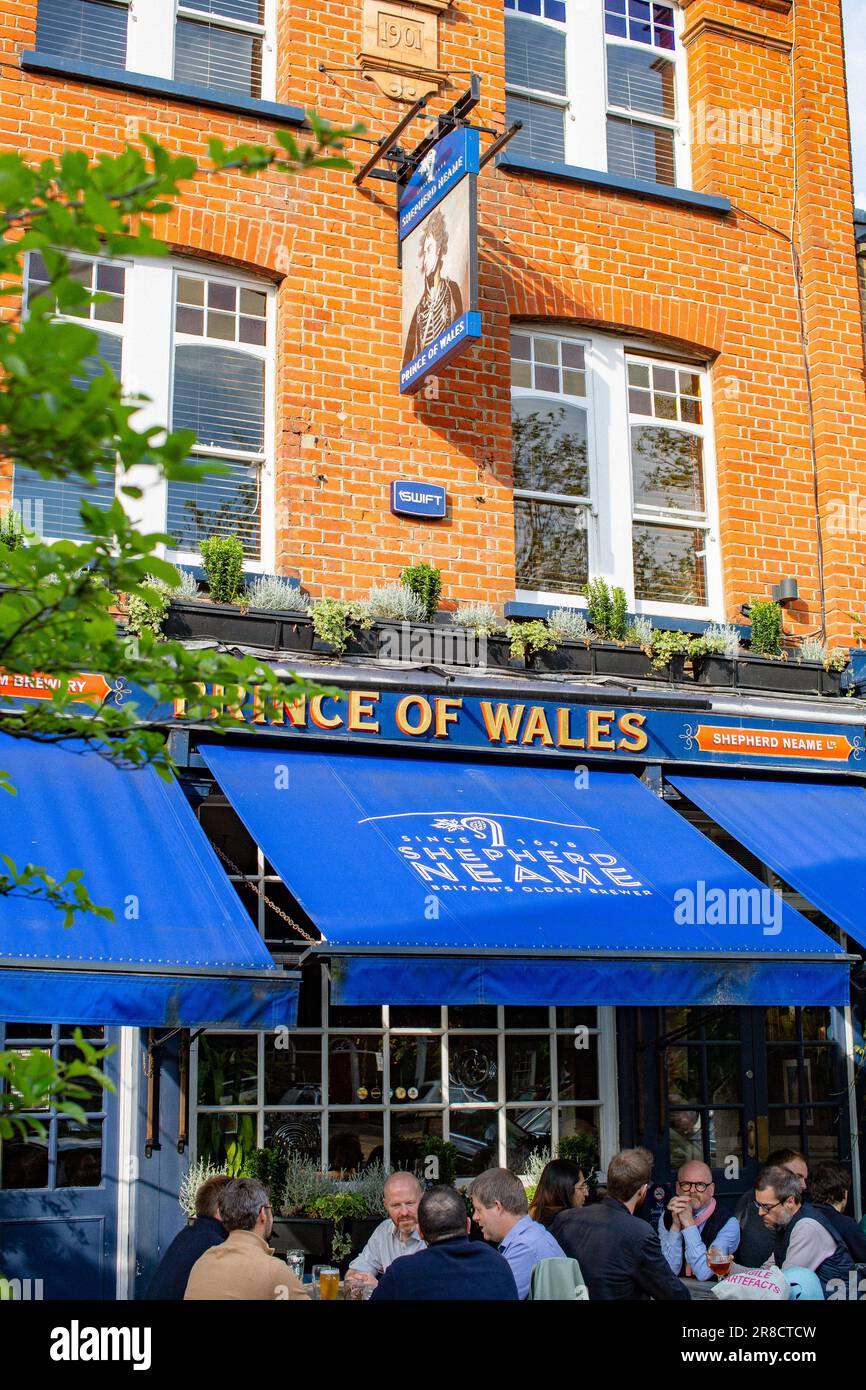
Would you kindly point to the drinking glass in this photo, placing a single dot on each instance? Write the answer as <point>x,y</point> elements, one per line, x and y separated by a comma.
<point>720,1262</point>
<point>329,1283</point>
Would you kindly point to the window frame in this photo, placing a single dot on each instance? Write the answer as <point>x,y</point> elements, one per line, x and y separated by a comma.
<point>612,512</point>
<point>585,115</point>
<point>151,32</point>
<point>149,303</point>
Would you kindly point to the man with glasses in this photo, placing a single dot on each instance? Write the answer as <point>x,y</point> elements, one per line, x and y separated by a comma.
<point>695,1223</point>
<point>244,1266</point>
<point>807,1238</point>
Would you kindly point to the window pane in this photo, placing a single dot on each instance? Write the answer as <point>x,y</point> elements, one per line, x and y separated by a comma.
<point>415,1016</point>
<point>410,1131</point>
<point>526,1132</point>
<point>220,395</point>
<point>534,56</point>
<point>543,133</point>
<point>473,1069</point>
<point>640,81</point>
<point>293,1074</point>
<point>250,11</point>
<point>550,546</point>
<point>822,1135</point>
<point>356,1140</point>
<point>355,1070</point>
<point>816,1024</point>
<point>226,1139</point>
<point>225,59</point>
<point>472,1016</point>
<point>576,1016</point>
<point>685,1135</point>
<point>79,1153</point>
<point>24,1165</point>
<point>549,446</point>
<point>668,566</point>
<point>358,1016</point>
<point>416,1070</point>
<point>684,1075</point>
<point>527,1068</point>
<point>227,1069</point>
<point>640,151</point>
<point>526,1016</point>
<point>578,1121</point>
<point>83,29</point>
<point>578,1067</point>
<point>723,1075</point>
<point>725,1133</point>
<point>52,507</point>
<point>227,504</point>
<point>667,468</point>
<point>475,1136</point>
<point>781,1023</point>
<point>301,1131</point>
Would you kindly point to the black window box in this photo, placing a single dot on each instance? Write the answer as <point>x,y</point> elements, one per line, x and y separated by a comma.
<point>765,673</point>
<point>273,630</point>
<point>632,663</point>
<point>568,656</point>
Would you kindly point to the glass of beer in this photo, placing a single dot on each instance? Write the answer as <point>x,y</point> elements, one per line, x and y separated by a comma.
<point>329,1283</point>
<point>720,1262</point>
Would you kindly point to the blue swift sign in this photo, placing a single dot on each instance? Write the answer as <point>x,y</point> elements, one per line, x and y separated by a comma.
<point>418,499</point>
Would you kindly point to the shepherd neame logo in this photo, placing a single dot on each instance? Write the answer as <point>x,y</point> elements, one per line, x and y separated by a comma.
<point>77,1343</point>
<point>476,852</point>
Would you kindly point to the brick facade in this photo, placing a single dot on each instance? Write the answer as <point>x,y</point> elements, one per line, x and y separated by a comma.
<point>718,287</point>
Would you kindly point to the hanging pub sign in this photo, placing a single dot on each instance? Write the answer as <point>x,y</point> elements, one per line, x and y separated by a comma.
<point>439,256</point>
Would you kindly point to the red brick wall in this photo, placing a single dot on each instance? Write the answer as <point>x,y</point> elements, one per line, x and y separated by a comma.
<point>721,286</point>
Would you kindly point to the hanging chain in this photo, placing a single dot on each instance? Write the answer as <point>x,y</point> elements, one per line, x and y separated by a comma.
<point>264,897</point>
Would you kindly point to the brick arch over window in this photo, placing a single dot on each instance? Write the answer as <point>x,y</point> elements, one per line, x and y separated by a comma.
<point>668,320</point>
<point>250,243</point>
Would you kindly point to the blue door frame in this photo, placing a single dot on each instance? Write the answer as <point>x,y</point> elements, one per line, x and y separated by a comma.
<point>61,1226</point>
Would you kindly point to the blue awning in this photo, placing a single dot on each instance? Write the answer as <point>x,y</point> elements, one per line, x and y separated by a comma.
<point>181,950</point>
<point>469,883</point>
<point>813,835</point>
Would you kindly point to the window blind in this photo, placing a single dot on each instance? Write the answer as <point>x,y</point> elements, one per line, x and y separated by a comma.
<point>91,29</point>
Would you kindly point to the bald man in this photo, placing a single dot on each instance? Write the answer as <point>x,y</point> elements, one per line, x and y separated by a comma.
<point>694,1223</point>
<point>395,1236</point>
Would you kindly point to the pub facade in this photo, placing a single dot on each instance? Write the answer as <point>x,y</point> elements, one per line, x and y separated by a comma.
<point>483,897</point>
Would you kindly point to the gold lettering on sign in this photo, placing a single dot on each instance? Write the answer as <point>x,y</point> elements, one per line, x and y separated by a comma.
<point>400,50</point>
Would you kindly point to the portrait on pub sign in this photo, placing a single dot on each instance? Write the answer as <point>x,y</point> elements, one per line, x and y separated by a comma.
<point>437,271</point>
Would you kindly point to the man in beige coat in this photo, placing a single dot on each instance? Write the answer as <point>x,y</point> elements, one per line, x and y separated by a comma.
<point>244,1266</point>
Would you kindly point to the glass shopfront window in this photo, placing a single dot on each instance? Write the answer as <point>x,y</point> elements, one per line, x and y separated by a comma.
<point>376,1083</point>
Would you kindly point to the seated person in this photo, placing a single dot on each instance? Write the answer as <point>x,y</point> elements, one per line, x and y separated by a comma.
<point>451,1266</point>
<point>831,1184</point>
<point>694,1223</point>
<point>395,1236</point>
<point>244,1266</point>
<point>171,1274</point>
<point>807,1238</point>
<point>502,1212</point>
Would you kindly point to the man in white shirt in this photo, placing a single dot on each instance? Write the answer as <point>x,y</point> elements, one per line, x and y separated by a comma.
<point>694,1224</point>
<point>397,1235</point>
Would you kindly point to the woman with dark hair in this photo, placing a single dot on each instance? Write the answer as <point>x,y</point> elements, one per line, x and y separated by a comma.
<point>560,1187</point>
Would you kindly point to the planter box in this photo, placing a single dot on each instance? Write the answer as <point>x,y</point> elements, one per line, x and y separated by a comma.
<point>359,1231</point>
<point>765,674</point>
<point>568,656</point>
<point>227,623</point>
<point>311,1234</point>
<point>632,663</point>
<point>435,644</point>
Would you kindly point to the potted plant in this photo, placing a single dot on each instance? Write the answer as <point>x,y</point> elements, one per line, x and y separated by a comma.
<point>714,654</point>
<point>767,667</point>
<point>615,651</point>
<point>272,614</point>
<point>425,581</point>
<point>669,651</point>
<point>296,1227</point>
<point>339,1210</point>
<point>570,649</point>
<point>339,622</point>
<point>289,607</point>
<point>527,639</point>
<point>387,606</point>
<point>482,620</point>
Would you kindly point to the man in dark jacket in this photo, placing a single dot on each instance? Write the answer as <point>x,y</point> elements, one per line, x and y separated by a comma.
<point>808,1238</point>
<point>171,1274</point>
<point>452,1266</point>
<point>619,1255</point>
<point>831,1184</point>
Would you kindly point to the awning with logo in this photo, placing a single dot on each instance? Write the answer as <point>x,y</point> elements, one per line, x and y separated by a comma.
<point>812,834</point>
<point>180,951</point>
<point>456,882</point>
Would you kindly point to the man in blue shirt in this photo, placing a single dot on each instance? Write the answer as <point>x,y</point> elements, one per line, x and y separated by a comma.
<point>693,1224</point>
<point>502,1211</point>
<point>452,1266</point>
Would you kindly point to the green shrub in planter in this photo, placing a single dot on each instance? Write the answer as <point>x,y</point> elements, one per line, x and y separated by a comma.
<point>339,1207</point>
<point>606,610</point>
<point>568,625</point>
<point>640,633</point>
<point>147,610</point>
<point>480,618</point>
<point>425,581</point>
<point>223,560</point>
<point>11,530</point>
<point>765,615</point>
<point>667,644</point>
<point>333,619</point>
<point>717,639</point>
<point>304,1183</point>
<point>444,1169</point>
<point>581,1149</point>
<point>395,603</point>
<point>528,638</point>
